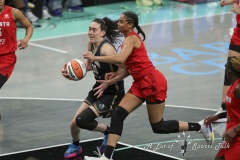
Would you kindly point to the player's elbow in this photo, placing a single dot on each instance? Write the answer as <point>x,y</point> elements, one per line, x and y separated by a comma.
<point>121,61</point>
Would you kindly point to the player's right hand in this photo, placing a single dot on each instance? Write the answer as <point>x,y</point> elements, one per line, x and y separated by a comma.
<point>110,75</point>
<point>64,72</point>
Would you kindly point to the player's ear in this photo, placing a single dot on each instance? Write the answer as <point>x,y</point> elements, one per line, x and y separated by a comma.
<point>103,33</point>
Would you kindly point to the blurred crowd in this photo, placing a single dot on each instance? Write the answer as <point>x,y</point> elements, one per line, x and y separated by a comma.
<point>49,7</point>
<point>149,3</point>
<point>55,8</point>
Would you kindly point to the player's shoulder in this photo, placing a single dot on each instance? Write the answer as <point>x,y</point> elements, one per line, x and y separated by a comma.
<point>107,45</point>
<point>16,13</point>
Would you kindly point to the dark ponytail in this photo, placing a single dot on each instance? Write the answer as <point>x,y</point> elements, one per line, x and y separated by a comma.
<point>133,18</point>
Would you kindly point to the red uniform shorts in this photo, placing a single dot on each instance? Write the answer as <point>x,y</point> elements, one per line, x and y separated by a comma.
<point>7,63</point>
<point>231,152</point>
<point>235,40</point>
<point>152,88</point>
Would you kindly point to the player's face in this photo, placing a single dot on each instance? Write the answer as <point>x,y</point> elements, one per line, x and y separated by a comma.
<point>123,25</point>
<point>1,4</point>
<point>95,33</point>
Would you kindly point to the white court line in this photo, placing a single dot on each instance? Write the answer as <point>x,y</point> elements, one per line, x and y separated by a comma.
<point>58,145</point>
<point>81,100</point>
<point>49,48</point>
<point>162,154</point>
<point>143,24</point>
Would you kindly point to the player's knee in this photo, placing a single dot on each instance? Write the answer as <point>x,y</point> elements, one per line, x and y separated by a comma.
<point>85,124</point>
<point>80,122</point>
<point>165,127</point>
<point>73,123</point>
<point>119,114</point>
<point>117,118</point>
<point>85,120</point>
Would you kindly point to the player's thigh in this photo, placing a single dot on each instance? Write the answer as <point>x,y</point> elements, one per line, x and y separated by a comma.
<point>82,107</point>
<point>130,102</point>
<point>232,53</point>
<point>155,112</point>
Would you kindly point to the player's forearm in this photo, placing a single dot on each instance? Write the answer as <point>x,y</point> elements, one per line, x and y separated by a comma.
<point>237,128</point>
<point>116,59</point>
<point>230,2</point>
<point>121,75</point>
<point>29,32</point>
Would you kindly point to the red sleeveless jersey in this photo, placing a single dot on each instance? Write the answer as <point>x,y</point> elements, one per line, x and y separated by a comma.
<point>8,27</point>
<point>233,107</point>
<point>138,63</point>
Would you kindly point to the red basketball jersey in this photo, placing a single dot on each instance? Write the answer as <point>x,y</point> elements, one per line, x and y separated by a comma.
<point>138,63</point>
<point>8,39</point>
<point>233,107</point>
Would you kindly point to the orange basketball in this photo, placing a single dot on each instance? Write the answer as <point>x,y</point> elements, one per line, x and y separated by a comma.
<point>76,69</point>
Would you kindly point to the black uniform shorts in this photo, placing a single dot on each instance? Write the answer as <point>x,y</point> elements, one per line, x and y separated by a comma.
<point>106,103</point>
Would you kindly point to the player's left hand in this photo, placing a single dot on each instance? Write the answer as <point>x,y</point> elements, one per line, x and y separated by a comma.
<point>235,8</point>
<point>101,88</point>
<point>210,119</point>
<point>22,44</point>
<point>88,55</point>
<point>229,135</point>
<point>64,72</point>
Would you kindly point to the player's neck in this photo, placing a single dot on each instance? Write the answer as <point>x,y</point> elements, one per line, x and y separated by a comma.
<point>96,45</point>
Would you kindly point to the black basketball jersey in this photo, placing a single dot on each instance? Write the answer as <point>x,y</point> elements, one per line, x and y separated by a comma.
<point>100,69</point>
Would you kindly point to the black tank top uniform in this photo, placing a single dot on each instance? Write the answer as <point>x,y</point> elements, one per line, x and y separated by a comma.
<point>100,69</point>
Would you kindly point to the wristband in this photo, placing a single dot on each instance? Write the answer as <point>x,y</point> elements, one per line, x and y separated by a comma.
<point>222,115</point>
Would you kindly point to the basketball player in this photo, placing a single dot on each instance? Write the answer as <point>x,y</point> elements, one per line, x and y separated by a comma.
<point>231,147</point>
<point>8,41</point>
<point>149,85</point>
<point>104,97</point>
<point>234,49</point>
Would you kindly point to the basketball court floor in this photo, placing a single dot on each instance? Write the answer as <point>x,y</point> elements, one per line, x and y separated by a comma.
<point>188,43</point>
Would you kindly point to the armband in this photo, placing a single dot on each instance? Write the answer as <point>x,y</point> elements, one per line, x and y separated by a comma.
<point>222,115</point>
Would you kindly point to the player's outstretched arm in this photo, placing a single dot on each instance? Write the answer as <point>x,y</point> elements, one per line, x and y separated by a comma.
<point>19,17</point>
<point>107,82</point>
<point>228,2</point>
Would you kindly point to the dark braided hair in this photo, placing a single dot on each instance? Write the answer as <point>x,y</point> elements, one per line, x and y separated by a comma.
<point>234,64</point>
<point>133,18</point>
<point>110,27</point>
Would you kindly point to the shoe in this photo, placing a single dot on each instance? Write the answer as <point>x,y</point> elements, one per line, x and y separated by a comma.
<point>207,132</point>
<point>31,5</point>
<point>222,119</point>
<point>72,151</point>
<point>147,3</point>
<point>77,8</point>
<point>157,2</point>
<point>95,158</point>
<point>103,146</point>
<point>31,16</point>
<point>45,13</point>
<point>56,13</point>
